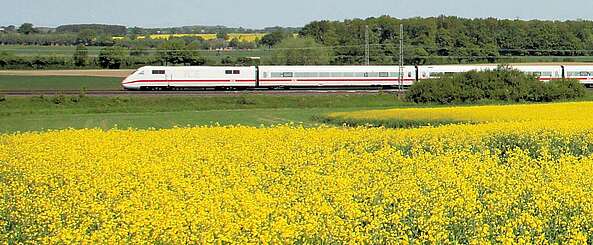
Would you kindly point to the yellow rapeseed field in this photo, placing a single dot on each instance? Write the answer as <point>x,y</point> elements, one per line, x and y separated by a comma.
<point>500,182</point>
<point>490,113</point>
<point>244,37</point>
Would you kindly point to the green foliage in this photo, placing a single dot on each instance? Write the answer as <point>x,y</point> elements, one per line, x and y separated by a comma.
<point>96,28</point>
<point>273,38</point>
<point>502,84</point>
<point>300,51</point>
<point>112,57</point>
<point>178,52</point>
<point>564,89</point>
<point>86,36</point>
<point>27,28</point>
<point>80,55</point>
<point>59,99</point>
<point>448,39</point>
<point>222,35</point>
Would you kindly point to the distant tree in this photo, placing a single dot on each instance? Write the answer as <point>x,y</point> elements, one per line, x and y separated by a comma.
<point>27,28</point>
<point>192,55</point>
<point>136,31</point>
<point>227,60</point>
<point>234,43</point>
<point>86,37</point>
<point>300,51</point>
<point>98,28</point>
<point>10,28</point>
<point>138,49</point>
<point>177,52</point>
<point>112,57</point>
<point>171,52</point>
<point>80,55</point>
<point>418,56</point>
<point>222,35</point>
<point>273,38</point>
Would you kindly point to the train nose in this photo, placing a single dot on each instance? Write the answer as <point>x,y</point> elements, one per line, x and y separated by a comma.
<point>126,84</point>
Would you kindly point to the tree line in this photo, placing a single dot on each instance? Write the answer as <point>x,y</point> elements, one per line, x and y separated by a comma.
<point>434,40</point>
<point>451,39</point>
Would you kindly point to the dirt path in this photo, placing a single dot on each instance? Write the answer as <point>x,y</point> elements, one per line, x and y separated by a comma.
<point>81,73</point>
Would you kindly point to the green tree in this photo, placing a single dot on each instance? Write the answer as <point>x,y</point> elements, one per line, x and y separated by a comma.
<point>27,28</point>
<point>80,55</point>
<point>86,37</point>
<point>234,43</point>
<point>273,38</point>
<point>222,35</point>
<point>112,57</point>
<point>300,51</point>
<point>177,52</point>
<point>171,52</point>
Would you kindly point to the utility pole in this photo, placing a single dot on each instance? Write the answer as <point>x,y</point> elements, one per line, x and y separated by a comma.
<point>367,49</point>
<point>401,57</point>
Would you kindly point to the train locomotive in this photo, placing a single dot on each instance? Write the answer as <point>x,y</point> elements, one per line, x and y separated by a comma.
<point>261,77</point>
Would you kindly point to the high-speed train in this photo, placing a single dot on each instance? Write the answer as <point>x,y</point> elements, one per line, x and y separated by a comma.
<point>252,77</point>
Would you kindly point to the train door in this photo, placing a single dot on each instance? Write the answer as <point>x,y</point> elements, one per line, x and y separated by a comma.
<point>168,78</point>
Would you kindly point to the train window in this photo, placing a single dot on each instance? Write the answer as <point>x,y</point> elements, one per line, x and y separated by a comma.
<point>373,74</point>
<point>324,74</point>
<point>158,72</point>
<point>276,74</point>
<point>236,72</point>
<point>423,74</point>
<point>572,74</point>
<point>394,74</point>
<point>547,74</point>
<point>228,72</point>
<point>409,74</point>
<point>287,74</point>
<point>337,74</point>
<point>265,74</point>
<point>366,74</point>
<point>584,74</point>
<point>348,74</point>
<point>383,74</point>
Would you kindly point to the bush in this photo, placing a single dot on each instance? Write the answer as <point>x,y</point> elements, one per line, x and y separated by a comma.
<point>502,84</point>
<point>564,89</point>
<point>2,98</point>
<point>59,99</point>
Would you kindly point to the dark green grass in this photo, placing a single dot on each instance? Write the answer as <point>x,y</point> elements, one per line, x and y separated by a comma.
<point>249,117</point>
<point>58,112</point>
<point>138,104</point>
<point>393,123</point>
<point>58,83</point>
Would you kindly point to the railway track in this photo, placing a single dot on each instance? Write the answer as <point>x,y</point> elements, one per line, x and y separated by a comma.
<point>191,92</point>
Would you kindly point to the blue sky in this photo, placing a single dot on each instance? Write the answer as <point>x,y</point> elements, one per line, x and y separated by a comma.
<point>262,13</point>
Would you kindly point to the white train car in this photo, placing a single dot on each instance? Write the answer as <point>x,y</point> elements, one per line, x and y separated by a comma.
<point>583,73</point>
<point>428,72</point>
<point>543,72</point>
<point>334,76</point>
<point>173,77</point>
